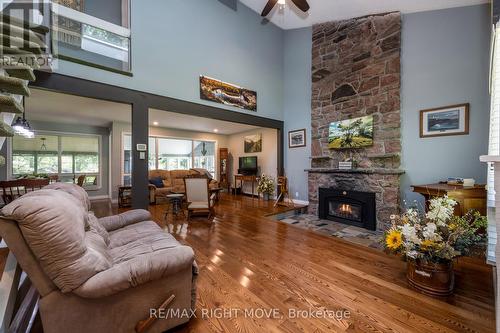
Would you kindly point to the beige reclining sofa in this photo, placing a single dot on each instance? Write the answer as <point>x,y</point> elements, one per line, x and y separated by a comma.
<point>97,275</point>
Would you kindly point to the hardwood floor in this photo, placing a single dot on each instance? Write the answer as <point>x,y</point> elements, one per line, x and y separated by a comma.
<point>248,261</point>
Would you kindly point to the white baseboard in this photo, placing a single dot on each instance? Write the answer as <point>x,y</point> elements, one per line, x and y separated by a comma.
<point>99,197</point>
<point>300,202</point>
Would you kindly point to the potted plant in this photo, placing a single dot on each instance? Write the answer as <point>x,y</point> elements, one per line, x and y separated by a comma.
<point>266,186</point>
<point>429,242</point>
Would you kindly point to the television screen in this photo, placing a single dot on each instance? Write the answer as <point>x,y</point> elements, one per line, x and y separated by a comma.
<point>249,162</point>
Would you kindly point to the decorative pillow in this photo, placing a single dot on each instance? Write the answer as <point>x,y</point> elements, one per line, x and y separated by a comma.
<point>158,182</point>
<point>53,224</point>
<point>94,224</point>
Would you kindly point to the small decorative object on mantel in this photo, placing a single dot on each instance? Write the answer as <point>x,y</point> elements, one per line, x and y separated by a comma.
<point>351,133</point>
<point>430,242</point>
<point>227,93</point>
<point>266,186</point>
<point>297,138</point>
<point>348,162</point>
<point>443,121</point>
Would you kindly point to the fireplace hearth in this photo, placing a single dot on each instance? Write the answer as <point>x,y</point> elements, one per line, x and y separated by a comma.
<point>348,207</point>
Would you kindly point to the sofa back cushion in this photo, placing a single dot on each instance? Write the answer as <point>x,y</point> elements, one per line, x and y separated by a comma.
<point>53,224</point>
<point>76,191</point>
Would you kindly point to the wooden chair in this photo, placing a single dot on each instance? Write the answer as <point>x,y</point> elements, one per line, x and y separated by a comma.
<point>13,189</point>
<point>81,180</point>
<point>198,196</point>
<point>53,178</point>
<point>284,193</point>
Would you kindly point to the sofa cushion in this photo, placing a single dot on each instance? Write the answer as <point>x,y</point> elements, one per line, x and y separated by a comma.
<point>76,191</point>
<point>157,181</point>
<point>53,224</point>
<point>94,224</point>
<point>133,232</point>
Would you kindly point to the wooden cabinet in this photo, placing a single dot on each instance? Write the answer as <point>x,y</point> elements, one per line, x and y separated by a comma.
<point>224,167</point>
<point>467,197</point>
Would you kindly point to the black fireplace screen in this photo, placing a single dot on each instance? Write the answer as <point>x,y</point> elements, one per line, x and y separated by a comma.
<point>344,210</point>
<point>349,207</point>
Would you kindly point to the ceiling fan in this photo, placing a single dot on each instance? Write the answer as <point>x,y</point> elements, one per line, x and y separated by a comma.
<point>301,4</point>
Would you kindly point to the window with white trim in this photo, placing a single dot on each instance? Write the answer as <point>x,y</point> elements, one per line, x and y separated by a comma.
<point>67,156</point>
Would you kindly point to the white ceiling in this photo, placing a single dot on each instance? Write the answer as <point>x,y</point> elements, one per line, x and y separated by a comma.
<point>332,10</point>
<point>68,109</point>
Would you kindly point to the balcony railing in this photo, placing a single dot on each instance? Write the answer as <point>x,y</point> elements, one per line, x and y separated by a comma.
<point>88,40</point>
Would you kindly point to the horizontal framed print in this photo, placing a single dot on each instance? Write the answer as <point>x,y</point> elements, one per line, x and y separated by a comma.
<point>443,121</point>
<point>297,138</point>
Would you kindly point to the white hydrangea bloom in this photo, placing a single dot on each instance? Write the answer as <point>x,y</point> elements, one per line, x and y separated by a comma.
<point>441,210</point>
<point>430,232</point>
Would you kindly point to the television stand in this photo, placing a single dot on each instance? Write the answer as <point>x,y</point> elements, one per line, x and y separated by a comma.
<point>246,178</point>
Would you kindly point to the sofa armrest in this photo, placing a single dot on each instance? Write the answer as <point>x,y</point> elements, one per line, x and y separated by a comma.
<point>114,222</point>
<point>138,271</point>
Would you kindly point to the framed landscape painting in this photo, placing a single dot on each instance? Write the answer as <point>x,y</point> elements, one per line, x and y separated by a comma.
<point>227,93</point>
<point>443,121</point>
<point>351,133</point>
<point>297,138</point>
<point>253,143</point>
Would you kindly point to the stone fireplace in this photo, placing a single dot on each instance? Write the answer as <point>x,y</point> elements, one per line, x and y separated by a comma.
<point>356,72</point>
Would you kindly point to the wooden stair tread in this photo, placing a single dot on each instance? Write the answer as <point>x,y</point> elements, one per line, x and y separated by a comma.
<point>14,85</point>
<point>10,105</point>
<point>21,72</point>
<point>16,31</point>
<point>19,43</point>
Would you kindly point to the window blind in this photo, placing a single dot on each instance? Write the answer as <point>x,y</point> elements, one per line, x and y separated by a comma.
<point>494,142</point>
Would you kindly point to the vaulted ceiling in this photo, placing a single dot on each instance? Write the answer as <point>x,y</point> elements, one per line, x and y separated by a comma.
<point>331,10</point>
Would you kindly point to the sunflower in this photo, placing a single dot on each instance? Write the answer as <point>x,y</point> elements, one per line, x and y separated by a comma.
<point>427,245</point>
<point>393,240</point>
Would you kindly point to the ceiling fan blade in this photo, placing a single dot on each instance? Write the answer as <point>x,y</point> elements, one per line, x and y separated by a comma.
<point>269,6</point>
<point>302,5</point>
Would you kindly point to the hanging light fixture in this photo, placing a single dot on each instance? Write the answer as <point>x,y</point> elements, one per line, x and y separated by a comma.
<point>43,147</point>
<point>22,126</point>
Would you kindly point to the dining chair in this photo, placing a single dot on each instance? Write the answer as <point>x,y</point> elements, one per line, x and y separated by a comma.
<point>81,180</point>
<point>13,189</point>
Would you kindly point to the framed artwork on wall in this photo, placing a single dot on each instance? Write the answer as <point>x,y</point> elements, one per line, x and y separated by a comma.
<point>253,143</point>
<point>351,133</point>
<point>297,138</point>
<point>444,121</point>
<point>227,93</point>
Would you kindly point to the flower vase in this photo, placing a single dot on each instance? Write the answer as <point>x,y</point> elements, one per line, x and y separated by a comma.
<point>265,196</point>
<point>431,278</point>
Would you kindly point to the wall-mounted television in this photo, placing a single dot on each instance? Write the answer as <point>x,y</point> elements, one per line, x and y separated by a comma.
<point>248,165</point>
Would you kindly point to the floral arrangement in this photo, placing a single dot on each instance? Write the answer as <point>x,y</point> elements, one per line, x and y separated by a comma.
<point>266,185</point>
<point>437,236</point>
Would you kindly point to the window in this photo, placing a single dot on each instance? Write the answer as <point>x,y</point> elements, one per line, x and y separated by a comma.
<point>494,144</point>
<point>171,154</point>
<point>174,154</point>
<point>67,156</point>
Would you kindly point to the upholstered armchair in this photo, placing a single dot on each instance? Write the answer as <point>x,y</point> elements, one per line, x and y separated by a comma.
<point>198,196</point>
<point>97,275</point>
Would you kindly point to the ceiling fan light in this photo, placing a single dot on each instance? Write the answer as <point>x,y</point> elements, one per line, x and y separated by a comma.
<point>282,2</point>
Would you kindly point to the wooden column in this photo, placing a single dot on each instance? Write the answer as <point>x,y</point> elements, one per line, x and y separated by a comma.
<point>140,132</point>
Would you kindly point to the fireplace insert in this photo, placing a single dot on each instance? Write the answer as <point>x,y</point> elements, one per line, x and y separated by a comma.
<point>348,207</point>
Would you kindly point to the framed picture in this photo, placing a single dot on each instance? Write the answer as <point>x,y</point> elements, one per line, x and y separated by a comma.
<point>227,93</point>
<point>297,138</point>
<point>447,120</point>
<point>253,143</point>
<point>351,133</point>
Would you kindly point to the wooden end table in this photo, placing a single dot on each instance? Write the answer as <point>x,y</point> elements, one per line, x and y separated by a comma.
<point>124,196</point>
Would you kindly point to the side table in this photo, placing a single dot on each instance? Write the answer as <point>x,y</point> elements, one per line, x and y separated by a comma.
<point>124,196</point>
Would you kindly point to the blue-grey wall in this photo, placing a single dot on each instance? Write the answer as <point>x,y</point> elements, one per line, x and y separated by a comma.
<point>176,41</point>
<point>444,61</point>
<point>297,106</point>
